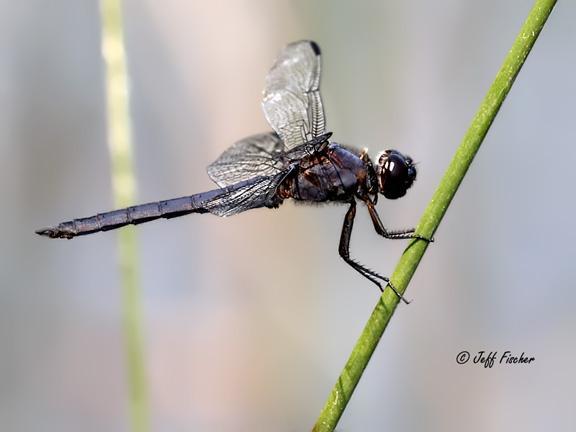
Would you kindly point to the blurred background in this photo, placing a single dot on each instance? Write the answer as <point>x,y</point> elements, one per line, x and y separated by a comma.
<point>249,320</point>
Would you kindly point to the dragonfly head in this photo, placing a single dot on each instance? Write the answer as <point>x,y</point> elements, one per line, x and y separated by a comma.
<point>395,173</point>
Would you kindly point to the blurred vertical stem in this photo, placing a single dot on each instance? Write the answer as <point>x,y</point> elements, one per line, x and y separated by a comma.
<point>124,186</point>
<point>366,344</point>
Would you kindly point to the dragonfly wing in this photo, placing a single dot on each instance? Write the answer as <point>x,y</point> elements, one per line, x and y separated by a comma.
<point>254,193</point>
<point>257,155</point>
<point>292,103</point>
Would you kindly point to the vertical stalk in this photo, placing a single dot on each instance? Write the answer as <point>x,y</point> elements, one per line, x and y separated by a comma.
<point>432,216</point>
<point>124,189</point>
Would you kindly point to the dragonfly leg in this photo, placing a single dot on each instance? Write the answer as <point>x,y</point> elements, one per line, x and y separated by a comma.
<point>395,235</point>
<point>344,250</point>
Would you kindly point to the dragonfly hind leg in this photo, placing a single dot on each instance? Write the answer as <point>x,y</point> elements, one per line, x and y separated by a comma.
<point>344,250</point>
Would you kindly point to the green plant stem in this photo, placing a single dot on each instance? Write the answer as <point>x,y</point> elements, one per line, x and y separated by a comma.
<point>430,220</point>
<point>124,190</point>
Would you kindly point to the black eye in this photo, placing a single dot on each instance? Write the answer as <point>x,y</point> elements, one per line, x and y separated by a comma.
<point>396,174</point>
<point>395,166</point>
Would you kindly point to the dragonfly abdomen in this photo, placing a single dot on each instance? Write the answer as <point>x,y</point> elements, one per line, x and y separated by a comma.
<point>132,215</point>
<point>244,195</point>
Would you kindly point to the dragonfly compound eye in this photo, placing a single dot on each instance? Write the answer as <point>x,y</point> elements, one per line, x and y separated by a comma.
<point>396,173</point>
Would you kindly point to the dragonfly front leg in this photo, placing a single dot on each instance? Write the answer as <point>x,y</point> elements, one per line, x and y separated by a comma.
<point>395,235</point>
<point>344,250</point>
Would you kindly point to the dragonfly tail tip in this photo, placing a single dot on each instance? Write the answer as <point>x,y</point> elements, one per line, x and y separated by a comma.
<point>48,232</point>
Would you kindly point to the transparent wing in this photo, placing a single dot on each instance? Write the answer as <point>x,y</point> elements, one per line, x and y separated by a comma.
<point>254,193</point>
<point>257,155</point>
<point>292,103</point>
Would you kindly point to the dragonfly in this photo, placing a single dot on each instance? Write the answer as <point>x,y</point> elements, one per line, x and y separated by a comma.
<point>297,160</point>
